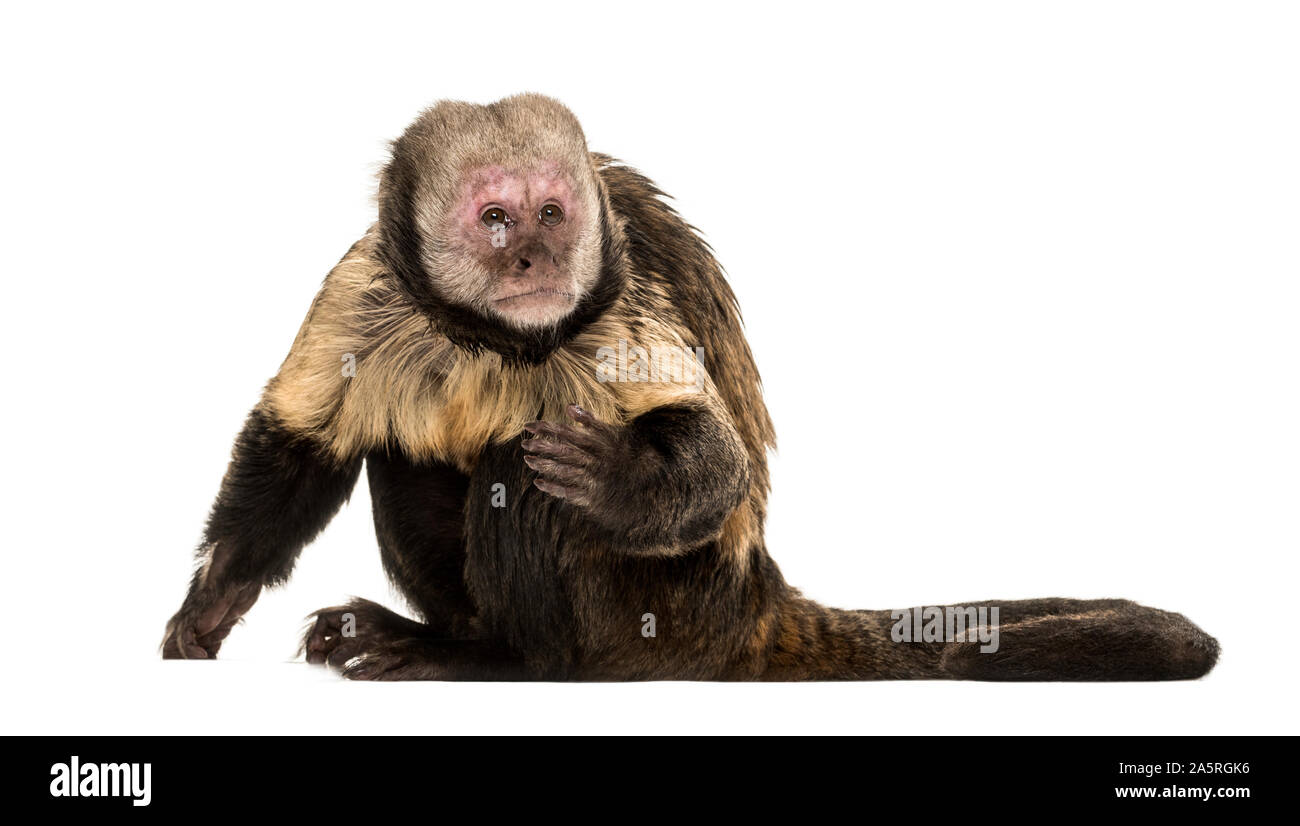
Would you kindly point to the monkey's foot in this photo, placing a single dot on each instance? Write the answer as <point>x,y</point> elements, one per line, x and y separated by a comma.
<point>363,639</point>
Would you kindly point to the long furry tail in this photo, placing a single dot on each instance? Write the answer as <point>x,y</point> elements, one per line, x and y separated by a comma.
<point>1025,640</point>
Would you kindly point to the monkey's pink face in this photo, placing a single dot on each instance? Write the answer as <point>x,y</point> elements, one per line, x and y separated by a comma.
<point>523,228</point>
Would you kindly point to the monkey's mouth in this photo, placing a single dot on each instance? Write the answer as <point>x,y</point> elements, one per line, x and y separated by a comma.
<point>542,294</point>
<point>545,305</point>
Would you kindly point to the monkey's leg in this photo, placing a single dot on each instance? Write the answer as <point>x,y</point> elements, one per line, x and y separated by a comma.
<point>419,512</point>
<point>366,641</point>
<point>1037,640</point>
<point>662,484</point>
<point>278,493</point>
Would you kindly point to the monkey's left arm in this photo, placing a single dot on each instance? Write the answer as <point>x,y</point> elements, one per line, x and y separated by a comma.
<point>663,483</point>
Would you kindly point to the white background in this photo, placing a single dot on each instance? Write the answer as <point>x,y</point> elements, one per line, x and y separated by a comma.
<point>1021,279</point>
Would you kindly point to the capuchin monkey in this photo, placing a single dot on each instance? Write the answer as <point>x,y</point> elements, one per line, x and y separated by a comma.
<point>543,371</point>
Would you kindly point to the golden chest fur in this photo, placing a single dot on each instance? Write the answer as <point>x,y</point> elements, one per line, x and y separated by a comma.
<point>367,372</point>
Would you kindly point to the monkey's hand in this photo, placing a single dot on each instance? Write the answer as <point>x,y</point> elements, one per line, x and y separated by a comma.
<point>205,619</point>
<point>661,484</point>
<point>591,465</point>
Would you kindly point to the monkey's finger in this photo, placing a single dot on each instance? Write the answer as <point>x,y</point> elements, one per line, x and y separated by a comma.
<point>569,493</point>
<point>559,451</point>
<point>212,640</point>
<point>563,433</point>
<point>584,417</point>
<point>171,649</point>
<point>588,425</point>
<point>181,645</point>
<point>547,430</point>
<point>190,645</point>
<point>565,474</point>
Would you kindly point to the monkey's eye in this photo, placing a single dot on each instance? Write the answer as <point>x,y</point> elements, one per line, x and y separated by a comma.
<point>550,215</point>
<point>494,216</point>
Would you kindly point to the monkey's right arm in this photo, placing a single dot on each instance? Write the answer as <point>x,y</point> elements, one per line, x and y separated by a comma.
<point>279,492</point>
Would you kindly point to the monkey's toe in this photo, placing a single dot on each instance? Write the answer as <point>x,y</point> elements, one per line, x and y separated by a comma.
<point>382,664</point>
<point>324,634</point>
